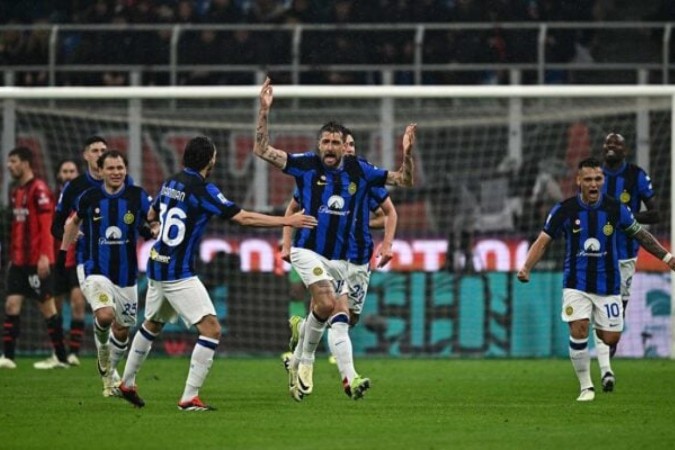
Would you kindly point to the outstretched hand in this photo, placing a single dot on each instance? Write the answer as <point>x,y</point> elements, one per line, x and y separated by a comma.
<point>523,275</point>
<point>384,254</point>
<point>409,138</point>
<point>300,220</point>
<point>266,94</point>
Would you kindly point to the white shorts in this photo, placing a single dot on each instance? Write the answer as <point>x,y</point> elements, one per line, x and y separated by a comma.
<point>80,273</point>
<point>627,269</point>
<point>312,267</point>
<point>100,292</point>
<point>358,277</point>
<point>187,299</point>
<point>604,311</point>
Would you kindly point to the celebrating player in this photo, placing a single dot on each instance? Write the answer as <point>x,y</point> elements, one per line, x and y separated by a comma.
<point>184,205</point>
<point>358,278</point>
<point>631,185</point>
<point>591,283</point>
<point>334,188</point>
<point>111,216</point>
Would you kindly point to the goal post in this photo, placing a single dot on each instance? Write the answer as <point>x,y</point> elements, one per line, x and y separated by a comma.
<point>490,161</point>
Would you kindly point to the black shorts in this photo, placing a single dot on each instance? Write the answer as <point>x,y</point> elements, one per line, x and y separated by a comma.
<point>63,285</point>
<point>24,280</point>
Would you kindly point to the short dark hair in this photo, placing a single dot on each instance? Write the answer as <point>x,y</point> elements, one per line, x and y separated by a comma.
<point>198,153</point>
<point>65,161</point>
<point>591,163</point>
<point>24,154</point>
<point>347,132</point>
<point>111,154</point>
<point>92,139</point>
<point>333,127</point>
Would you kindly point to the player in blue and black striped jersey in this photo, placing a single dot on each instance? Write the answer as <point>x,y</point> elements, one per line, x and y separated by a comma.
<point>590,223</point>
<point>358,277</point>
<point>93,148</point>
<point>184,205</point>
<point>631,185</point>
<point>334,188</point>
<point>109,218</point>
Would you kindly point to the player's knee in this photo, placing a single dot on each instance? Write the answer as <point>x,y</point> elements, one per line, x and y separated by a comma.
<point>105,316</point>
<point>353,318</point>
<point>153,327</point>
<point>579,329</point>
<point>209,327</point>
<point>609,337</point>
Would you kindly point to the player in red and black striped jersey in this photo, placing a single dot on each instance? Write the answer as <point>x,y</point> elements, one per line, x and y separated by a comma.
<point>31,258</point>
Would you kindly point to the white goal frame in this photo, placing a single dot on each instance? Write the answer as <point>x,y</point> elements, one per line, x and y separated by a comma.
<point>9,96</point>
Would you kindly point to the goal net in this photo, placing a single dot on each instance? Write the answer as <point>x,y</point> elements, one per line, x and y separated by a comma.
<point>490,163</point>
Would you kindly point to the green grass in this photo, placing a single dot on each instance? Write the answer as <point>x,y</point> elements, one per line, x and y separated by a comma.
<point>413,404</point>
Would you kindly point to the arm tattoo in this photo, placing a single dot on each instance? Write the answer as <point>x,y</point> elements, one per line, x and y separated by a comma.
<point>262,136</point>
<point>404,175</point>
<point>407,171</point>
<point>649,242</point>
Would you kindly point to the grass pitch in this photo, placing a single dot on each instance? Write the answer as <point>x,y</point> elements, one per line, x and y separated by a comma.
<point>413,404</point>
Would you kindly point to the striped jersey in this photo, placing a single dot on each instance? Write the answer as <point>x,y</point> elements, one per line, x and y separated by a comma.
<point>67,203</point>
<point>591,255</point>
<point>185,204</point>
<point>32,212</point>
<point>631,185</point>
<point>376,196</point>
<point>338,198</point>
<point>110,224</point>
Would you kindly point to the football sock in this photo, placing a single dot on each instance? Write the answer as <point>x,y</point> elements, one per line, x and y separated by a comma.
<point>101,334</point>
<point>297,353</point>
<point>581,361</point>
<point>76,335</point>
<point>314,329</point>
<point>140,348</point>
<point>200,364</point>
<point>602,351</point>
<point>117,350</point>
<point>55,331</point>
<point>341,346</point>
<point>11,328</point>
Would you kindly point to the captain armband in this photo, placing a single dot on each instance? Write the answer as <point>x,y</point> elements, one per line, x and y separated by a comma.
<point>633,229</point>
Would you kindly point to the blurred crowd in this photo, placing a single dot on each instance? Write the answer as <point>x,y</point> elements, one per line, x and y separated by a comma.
<point>273,47</point>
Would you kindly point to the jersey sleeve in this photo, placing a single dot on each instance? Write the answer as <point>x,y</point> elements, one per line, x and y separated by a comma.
<point>146,203</point>
<point>64,207</point>
<point>644,185</point>
<point>82,203</point>
<point>627,221</point>
<point>554,221</point>
<point>299,163</point>
<point>376,196</point>
<point>373,174</point>
<point>44,202</point>
<point>217,204</point>
<point>44,206</point>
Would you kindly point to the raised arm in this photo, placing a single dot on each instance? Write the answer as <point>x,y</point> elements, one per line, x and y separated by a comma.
<point>404,175</point>
<point>534,254</point>
<point>262,147</point>
<point>651,214</point>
